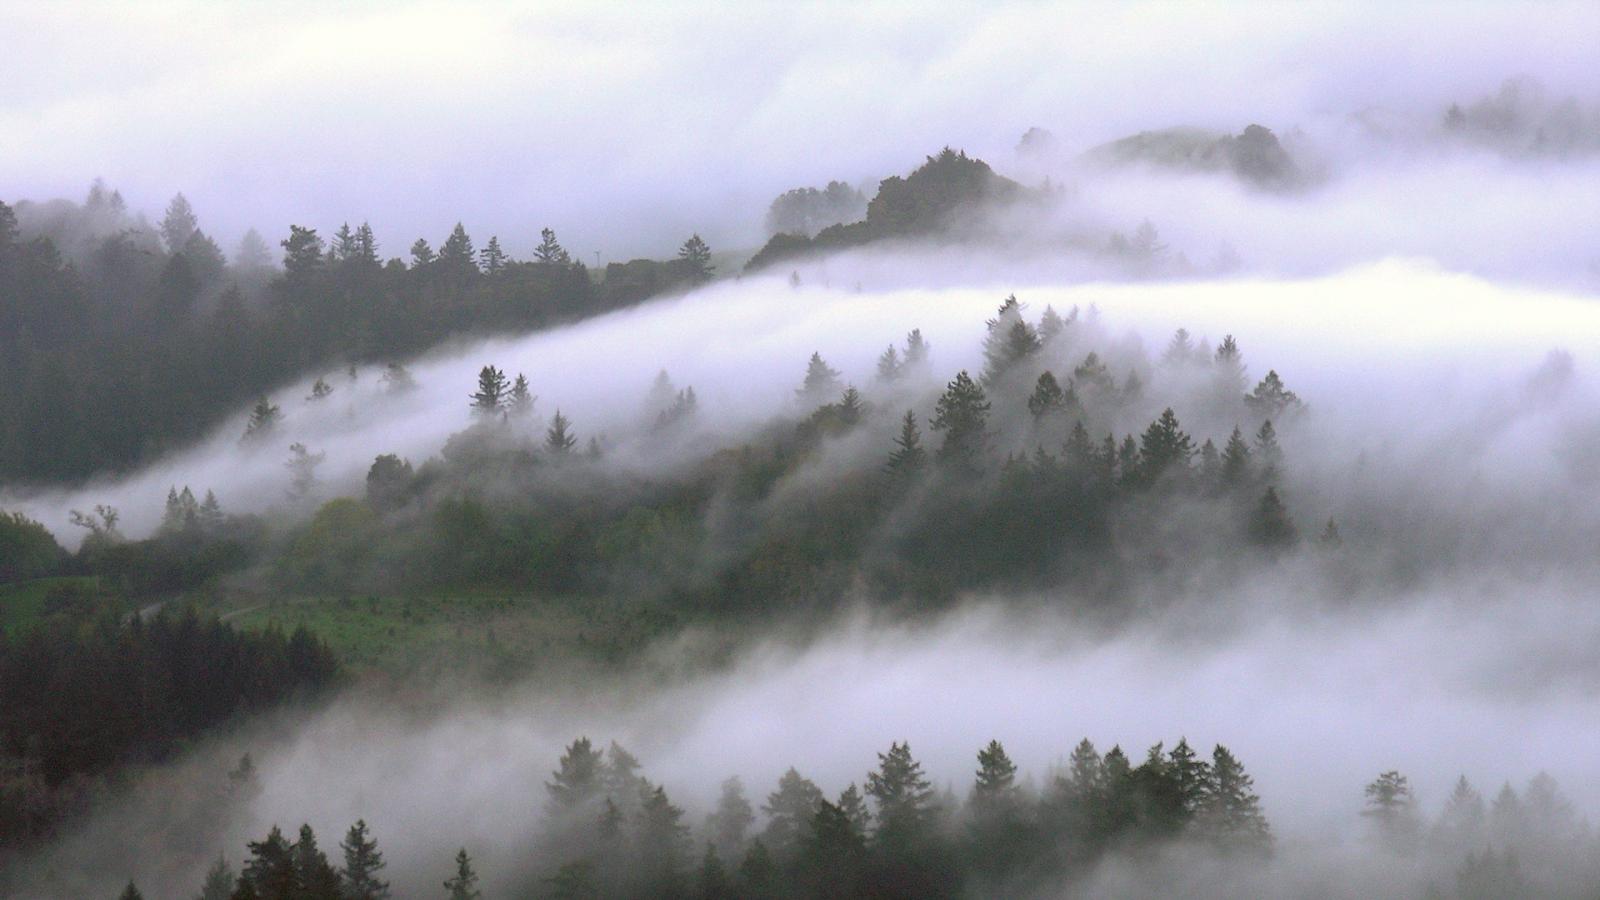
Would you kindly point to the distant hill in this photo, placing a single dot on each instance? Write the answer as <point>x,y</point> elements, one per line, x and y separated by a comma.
<point>928,201</point>
<point>1254,155</point>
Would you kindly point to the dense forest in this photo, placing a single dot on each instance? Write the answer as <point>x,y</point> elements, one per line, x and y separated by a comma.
<point>120,340</point>
<point>608,831</point>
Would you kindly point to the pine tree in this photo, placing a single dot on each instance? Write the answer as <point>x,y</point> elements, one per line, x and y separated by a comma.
<point>789,810</point>
<point>1271,399</point>
<point>1391,807</point>
<point>130,893</point>
<point>821,381</point>
<point>1270,525</point>
<point>854,806</point>
<point>889,366</point>
<point>995,784</point>
<point>904,797</point>
<point>520,400</point>
<point>464,884</point>
<point>559,438</point>
<point>1267,452</point>
<point>179,224</point>
<point>1008,342</point>
<point>491,394</point>
<point>457,256</point>
<point>916,353</point>
<point>662,841</point>
<point>758,874</point>
<point>695,257</point>
<point>1228,369</point>
<point>1191,774</point>
<point>270,870</point>
<point>264,419</point>
<point>908,457</point>
<point>1164,449</point>
<point>314,878</point>
<point>1462,822</point>
<point>422,255</point>
<point>550,252</point>
<point>1051,325</point>
<point>491,258</point>
<point>320,389</point>
<point>397,380</point>
<point>578,780</point>
<point>302,465</point>
<point>712,881</point>
<point>1180,350</point>
<point>1047,397</point>
<point>962,414</point>
<point>302,254</point>
<point>362,863</point>
<point>219,882</point>
<point>1210,463</point>
<point>730,823</point>
<point>1231,815</point>
<point>1235,460</point>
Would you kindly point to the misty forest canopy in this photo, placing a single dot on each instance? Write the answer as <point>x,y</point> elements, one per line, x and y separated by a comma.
<point>120,340</point>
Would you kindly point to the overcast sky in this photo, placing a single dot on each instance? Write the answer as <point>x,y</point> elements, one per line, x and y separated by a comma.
<point>628,127</point>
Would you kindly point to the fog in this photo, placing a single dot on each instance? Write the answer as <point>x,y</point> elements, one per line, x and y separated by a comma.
<point>1315,703</point>
<point>622,129</point>
<point>1411,371</point>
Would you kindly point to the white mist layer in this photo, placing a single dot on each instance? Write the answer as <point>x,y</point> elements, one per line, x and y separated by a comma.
<point>1398,348</point>
<point>1315,705</point>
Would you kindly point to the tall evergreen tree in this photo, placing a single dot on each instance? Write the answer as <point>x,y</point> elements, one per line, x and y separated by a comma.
<point>219,883</point>
<point>315,878</point>
<point>550,252</point>
<point>490,396</point>
<point>457,256</point>
<point>179,224</point>
<point>889,365</point>
<point>1271,399</point>
<point>1164,449</point>
<point>789,810</point>
<point>491,258</point>
<point>909,457</point>
<point>962,413</point>
<point>464,884</point>
<point>1270,525</point>
<point>264,419</point>
<point>559,439</point>
<point>729,824</point>
<point>916,353</point>
<point>821,381</point>
<point>904,797</point>
<point>1231,816</point>
<point>695,257</point>
<point>1235,460</point>
<point>520,400</point>
<point>578,780</point>
<point>362,863</point>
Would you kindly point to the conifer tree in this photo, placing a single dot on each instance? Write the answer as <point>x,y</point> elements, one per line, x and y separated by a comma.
<point>270,870</point>
<point>908,457</point>
<point>302,465</point>
<point>1271,399</point>
<point>1051,325</point>
<point>362,863</point>
<point>662,841</point>
<point>491,258</point>
<point>130,893</point>
<point>464,884</point>
<point>962,413</point>
<point>903,795</point>
<point>1228,369</point>
<point>889,365</point>
<point>490,396</point>
<point>1231,815</point>
<point>315,878</point>
<point>422,255</point>
<point>1047,398</point>
<point>758,874</point>
<point>916,353</point>
<point>730,822</point>
<point>219,882</point>
<point>1268,455</point>
<point>1164,449</point>
<point>1235,460</point>
<point>264,419</point>
<point>559,439</point>
<point>712,881</point>
<point>1210,463</point>
<point>1180,350</point>
<point>821,381</point>
<point>789,810</point>
<point>1270,525</point>
<point>179,224</point>
<point>1329,539</point>
<point>854,806</point>
<point>995,785</point>
<point>520,400</point>
<point>550,252</point>
<point>1191,774</point>
<point>457,256</point>
<point>320,389</point>
<point>578,780</point>
<point>695,256</point>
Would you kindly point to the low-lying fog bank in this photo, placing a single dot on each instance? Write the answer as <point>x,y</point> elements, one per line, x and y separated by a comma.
<point>1490,680</point>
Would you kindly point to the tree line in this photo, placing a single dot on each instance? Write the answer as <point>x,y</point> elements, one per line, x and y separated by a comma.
<point>120,340</point>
